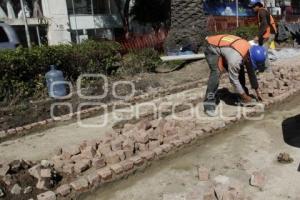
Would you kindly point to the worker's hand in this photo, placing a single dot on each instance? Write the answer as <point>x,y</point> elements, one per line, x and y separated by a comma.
<point>258,95</point>
<point>246,98</point>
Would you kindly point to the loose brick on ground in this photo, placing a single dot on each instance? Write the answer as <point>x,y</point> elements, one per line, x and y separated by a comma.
<point>127,165</point>
<point>64,190</point>
<point>93,178</point>
<point>82,165</point>
<point>137,160</point>
<point>117,168</point>
<point>98,162</point>
<point>47,196</point>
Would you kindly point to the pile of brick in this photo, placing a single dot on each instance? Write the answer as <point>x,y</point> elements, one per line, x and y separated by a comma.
<point>120,153</point>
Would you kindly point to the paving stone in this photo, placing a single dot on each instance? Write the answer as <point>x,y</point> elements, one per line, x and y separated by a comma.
<point>98,162</point>
<point>68,168</point>
<point>258,180</point>
<point>93,178</point>
<point>116,145</point>
<point>88,152</point>
<point>112,158</point>
<point>47,196</point>
<point>121,155</point>
<point>82,166</point>
<point>46,173</point>
<point>64,190</point>
<point>4,169</point>
<point>137,160</point>
<point>148,155</point>
<point>28,190</point>
<point>105,174</point>
<point>16,189</point>
<point>117,168</point>
<point>127,165</point>
<point>154,144</point>
<point>141,137</point>
<point>72,150</point>
<point>35,171</point>
<point>80,184</point>
<point>203,174</point>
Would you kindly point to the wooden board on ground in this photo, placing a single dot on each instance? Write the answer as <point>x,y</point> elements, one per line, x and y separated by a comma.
<point>182,57</point>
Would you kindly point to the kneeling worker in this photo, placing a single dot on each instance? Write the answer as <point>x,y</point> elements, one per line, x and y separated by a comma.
<point>232,54</point>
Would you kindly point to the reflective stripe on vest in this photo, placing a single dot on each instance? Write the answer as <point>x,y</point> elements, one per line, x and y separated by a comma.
<point>240,45</point>
<point>272,24</point>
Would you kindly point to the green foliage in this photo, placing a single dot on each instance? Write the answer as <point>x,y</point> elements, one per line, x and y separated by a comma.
<point>23,70</point>
<point>246,32</point>
<point>140,61</point>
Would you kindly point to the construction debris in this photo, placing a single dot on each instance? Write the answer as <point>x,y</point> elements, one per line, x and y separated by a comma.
<point>285,158</point>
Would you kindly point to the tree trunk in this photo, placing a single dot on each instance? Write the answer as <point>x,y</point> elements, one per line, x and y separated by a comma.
<point>188,24</point>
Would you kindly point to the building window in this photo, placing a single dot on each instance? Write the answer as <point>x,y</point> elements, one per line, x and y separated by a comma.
<point>3,35</point>
<point>88,7</point>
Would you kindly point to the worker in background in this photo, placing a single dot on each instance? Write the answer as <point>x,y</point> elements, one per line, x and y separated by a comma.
<point>232,54</point>
<point>266,26</point>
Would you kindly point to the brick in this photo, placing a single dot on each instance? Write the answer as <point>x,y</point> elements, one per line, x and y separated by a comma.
<point>63,190</point>
<point>257,180</point>
<point>142,147</point>
<point>68,168</point>
<point>11,131</point>
<point>82,166</point>
<point>128,145</point>
<point>153,134</point>
<point>177,143</point>
<point>158,151</point>
<point>19,129</point>
<point>88,152</point>
<point>72,150</point>
<point>105,174</point>
<point>128,153</point>
<point>144,125</point>
<point>93,178</point>
<point>116,145</point>
<point>117,168</point>
<point>104,149</point>
<point>148,155</point>
<point>127,165</point>
<point>47,196</point>
<point>41,184</point>
<point>98,162</point>
<point>112,158</point>
<point>141,137</point>
<point>166,148</point>
<point>35,171</point>
<point>46,173</point>
<point>80,184</point>
<point>137,160</point>
<point>203,174</point>
<point>4,169</point>
<point>16,189</point>
<point>153,144</point>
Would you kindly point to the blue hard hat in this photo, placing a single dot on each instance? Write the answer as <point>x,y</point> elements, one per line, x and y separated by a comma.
<point>258,56</point>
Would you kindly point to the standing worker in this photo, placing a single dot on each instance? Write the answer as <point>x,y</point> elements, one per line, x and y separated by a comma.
<point>232,54</point>
<point>266,26</point>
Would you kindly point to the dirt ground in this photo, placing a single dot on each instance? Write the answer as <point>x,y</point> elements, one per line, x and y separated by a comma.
<point>236,154</point>
<point>14,116</point>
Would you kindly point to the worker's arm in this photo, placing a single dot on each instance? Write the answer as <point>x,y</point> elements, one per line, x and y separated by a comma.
<point>253,79</point>
<point>263,21</point>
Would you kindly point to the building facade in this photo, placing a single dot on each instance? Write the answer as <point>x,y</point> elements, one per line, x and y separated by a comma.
<point>64,21</point>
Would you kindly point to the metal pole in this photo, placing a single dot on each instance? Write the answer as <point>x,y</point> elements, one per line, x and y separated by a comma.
<point>26,25</point>
<point>93,14</point>
<point>237,12</point>
<point>38,35</point>
<point>74,13</point>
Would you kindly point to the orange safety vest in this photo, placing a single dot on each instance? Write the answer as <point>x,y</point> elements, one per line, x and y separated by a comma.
<point>240,45</point>
<point>271,25</point>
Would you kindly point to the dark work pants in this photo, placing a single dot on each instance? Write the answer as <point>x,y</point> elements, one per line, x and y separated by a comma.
<point>213,82</point>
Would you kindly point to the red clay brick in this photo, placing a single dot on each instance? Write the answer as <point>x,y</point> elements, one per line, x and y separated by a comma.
<point>105,174</point>
<point>80,184</point>
<point>117,168</point>
<point>137,160</point>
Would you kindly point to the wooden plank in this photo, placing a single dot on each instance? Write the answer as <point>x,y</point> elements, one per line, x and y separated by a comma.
<point>182,57</point>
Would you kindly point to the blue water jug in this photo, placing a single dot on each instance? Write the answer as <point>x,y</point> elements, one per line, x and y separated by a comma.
<point>59,88</point>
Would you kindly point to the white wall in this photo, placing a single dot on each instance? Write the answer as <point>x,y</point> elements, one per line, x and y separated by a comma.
<point>56,13</point>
